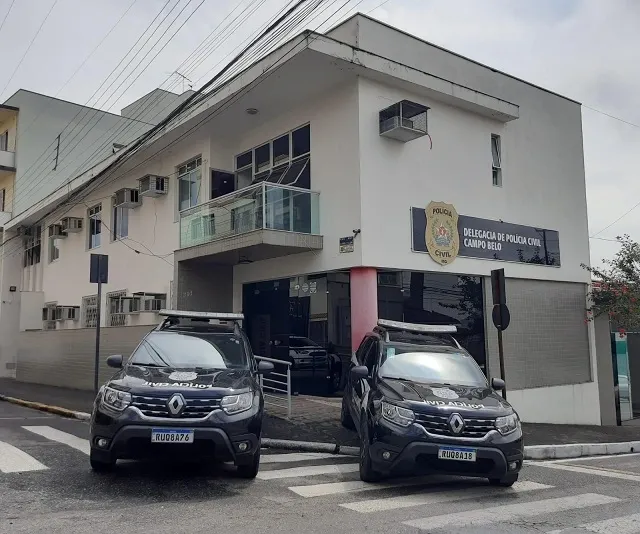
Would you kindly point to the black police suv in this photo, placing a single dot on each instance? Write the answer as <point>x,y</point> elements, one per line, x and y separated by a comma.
<point>190,389</point>
<point>422,405</point>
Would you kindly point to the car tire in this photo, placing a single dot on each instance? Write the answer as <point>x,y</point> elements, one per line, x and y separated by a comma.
<point>367,473</point>
<point>345,417</point>
<point>99,465</point>
<point>250,470</point>
<point>505,482</point>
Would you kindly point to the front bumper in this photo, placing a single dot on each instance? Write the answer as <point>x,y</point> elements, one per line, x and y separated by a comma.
<point>412,451</point>
<point>217,436</point>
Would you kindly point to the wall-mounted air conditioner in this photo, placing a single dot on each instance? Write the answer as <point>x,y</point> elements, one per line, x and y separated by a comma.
<point>127,198</point>
<point>67,313</point>
<point>71,225</point>
<point>153,186</point>
<point>403,121</point>
<point>56,232</point>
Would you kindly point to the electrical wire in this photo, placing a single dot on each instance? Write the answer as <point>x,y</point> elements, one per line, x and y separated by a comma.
<point>6,14</point>
<point>28,47</point>
<point>618,219</point>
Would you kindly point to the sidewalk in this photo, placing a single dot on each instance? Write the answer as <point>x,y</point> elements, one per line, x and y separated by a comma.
<point>317,419</point>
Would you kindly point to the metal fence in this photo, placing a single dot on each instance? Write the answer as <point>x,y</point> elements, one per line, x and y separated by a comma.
<point>279,384</point>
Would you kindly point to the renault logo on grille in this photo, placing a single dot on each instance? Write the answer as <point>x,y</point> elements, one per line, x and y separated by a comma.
<point>176,404</point>
<point>456,423</point>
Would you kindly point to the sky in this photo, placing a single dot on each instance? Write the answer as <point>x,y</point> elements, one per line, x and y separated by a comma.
<point>93,52</point>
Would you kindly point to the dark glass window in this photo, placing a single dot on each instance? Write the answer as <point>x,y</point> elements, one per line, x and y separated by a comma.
<point>436,298</point>
<point>222,183</point>
<point>281,150</point>
<point>244,160</point>
<point>301,141</point>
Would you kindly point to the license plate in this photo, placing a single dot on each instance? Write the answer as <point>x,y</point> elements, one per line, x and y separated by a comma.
<point>171,435</point>
<point>457,453</point>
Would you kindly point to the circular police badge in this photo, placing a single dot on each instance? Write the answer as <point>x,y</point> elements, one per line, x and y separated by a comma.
<point>181,376</point>
<point>444,393</point>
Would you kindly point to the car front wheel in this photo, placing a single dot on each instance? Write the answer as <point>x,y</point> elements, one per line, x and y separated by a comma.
<point>345,417</point>
<point>251,469</point>
<point>505,482</point>
<point>367,473</point>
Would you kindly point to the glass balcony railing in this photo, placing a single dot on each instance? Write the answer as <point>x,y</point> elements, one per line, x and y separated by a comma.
<point>262,206</point>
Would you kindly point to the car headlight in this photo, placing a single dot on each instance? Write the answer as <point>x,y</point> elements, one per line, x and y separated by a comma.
<point>232,404</point>
<point>397,415</point>
<point>115,399</point>
<point>507,424</point>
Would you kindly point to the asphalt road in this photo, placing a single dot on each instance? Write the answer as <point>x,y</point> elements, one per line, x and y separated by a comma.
<point>46,486</point>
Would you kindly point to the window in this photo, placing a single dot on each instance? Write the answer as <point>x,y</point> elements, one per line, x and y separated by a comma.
<point>32,247</point>
<point>119,222</point>
<point>3,196</point>
<point>363,349</point>
<point>189,180</point>
<point>222,183</point>
<point>90,311</point>
<point>496,155</point>
<point>371,358</point>
<point>54,250</point>
<point>285,160</point>
<point>95,225</point>
<point>4,141</point>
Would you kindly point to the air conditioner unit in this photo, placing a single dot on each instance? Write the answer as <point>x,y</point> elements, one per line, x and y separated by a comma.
<point>71,224</point>
<point>403,121</point>
<point>153,186</point>
<point>56,232</point>
<point>127,198</point>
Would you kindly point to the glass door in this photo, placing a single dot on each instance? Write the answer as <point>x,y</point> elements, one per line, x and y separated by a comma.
<point>623,377</point>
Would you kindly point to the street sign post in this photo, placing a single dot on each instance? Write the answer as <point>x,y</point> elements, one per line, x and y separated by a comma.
<point>500,316</point>
<point>98,274</point>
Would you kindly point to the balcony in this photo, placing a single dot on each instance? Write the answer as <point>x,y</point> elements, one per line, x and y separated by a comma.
<point>255,223</point>
<point>7,161</point>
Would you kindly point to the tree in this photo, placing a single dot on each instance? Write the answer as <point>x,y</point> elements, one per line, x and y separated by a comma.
<point>616,287</point>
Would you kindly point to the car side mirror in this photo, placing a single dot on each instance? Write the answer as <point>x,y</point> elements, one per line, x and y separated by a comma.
<point>497,384</point>
<point>360,372</point>
<point>115,361</point>
<point>265,368</point>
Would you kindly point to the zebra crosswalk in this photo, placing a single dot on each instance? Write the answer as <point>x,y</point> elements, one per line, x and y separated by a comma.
<point>433,504</point>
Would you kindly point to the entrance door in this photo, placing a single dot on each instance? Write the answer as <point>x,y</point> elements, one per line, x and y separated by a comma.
<point>623,376</point>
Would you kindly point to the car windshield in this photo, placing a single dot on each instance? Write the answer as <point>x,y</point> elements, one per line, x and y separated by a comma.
<point>430,365</point>
<point>301,342</point>
<point>187,350</point>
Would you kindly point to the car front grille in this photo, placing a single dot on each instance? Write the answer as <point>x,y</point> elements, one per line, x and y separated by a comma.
<point>157,407</point>
<point>438,425</point>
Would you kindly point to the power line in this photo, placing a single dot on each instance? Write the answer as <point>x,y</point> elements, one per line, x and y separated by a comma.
<point>612,116</point>
<point>28,47</point>
<point>618,219</point>
<point>6,15</point>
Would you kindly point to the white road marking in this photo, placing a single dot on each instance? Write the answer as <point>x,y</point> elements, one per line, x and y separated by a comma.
<point>13,460</point>
<point>599,471</point>
<point>54,434</point>
<point>511,512</point>
<point>435,497</point>
<point>334,488</point>
<point>308,471</point>
<point>629,524</point>
<point>294,457</point>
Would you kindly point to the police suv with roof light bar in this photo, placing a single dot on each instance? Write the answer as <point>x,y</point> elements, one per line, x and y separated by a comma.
<point>191,388</point>
<point>422,405</point>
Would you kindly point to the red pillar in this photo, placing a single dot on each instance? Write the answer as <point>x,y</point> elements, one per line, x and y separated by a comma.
<point>364,303</point>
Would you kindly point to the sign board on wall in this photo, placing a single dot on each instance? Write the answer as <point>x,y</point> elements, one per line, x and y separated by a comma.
<point>444,234</point>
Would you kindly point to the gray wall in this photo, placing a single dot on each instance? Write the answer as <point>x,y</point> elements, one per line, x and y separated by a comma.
<point>605,371</point>
<point>204,286</point>
<point>65,357</point>
<point>547,341</point>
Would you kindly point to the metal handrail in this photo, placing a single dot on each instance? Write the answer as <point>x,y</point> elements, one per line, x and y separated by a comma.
<point>286,383</point>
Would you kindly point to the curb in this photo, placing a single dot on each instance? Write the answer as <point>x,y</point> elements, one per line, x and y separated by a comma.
<point>309,446</point>
<point>57,410</point>
<point>579,450</point>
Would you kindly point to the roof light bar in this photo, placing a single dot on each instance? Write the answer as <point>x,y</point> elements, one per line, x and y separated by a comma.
<point>202,315</point>
<point>423,328</point>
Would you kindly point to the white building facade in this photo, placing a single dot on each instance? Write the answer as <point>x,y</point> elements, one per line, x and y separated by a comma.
<point>298,194</point>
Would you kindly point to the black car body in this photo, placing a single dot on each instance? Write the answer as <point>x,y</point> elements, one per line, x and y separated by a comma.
<point>421,404</point>
<point>190,389</point>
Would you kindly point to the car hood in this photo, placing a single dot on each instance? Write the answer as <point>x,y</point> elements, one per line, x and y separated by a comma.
<point>141,379</point>
<point>422,397</point>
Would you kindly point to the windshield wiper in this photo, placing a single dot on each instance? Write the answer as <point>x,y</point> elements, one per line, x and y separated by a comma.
<point>398,378</point>
<point>148,364</point>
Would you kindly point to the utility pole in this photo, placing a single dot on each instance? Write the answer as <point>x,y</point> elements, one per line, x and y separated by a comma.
<point>55,165</point>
